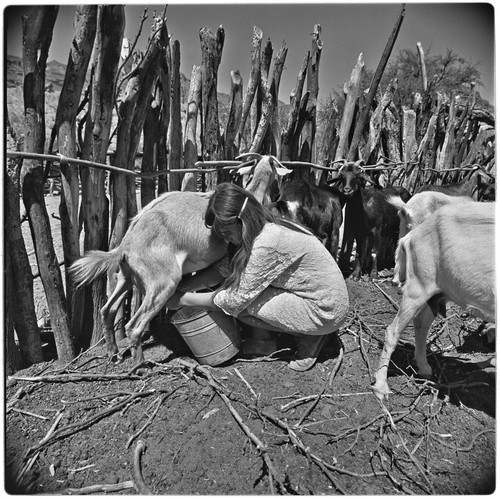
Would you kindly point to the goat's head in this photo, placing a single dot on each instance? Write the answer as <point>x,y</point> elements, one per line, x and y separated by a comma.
<point>262,174</point>
<point>353,177</point>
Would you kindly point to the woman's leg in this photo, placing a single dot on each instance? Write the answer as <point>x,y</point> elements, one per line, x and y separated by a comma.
<point>260,342</point>
<point>263,343</point>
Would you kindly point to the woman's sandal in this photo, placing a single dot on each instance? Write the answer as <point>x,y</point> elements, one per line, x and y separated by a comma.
<point>308,349</point>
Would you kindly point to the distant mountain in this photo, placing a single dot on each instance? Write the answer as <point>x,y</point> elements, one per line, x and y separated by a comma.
<point>54,78</point>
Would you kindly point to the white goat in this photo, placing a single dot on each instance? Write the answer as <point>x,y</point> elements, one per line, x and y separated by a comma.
<point>168,238</point>
<point>417,209</point>
<point>450,255</point>
<point>422,206</point>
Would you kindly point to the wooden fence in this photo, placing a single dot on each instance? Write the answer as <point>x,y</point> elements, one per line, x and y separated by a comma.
<point>434,141</point>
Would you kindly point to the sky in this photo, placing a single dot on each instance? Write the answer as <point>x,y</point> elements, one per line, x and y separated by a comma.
<point>348,29</point>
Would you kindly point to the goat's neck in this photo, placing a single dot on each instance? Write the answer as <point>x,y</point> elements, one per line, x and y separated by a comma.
<point>259,188</point>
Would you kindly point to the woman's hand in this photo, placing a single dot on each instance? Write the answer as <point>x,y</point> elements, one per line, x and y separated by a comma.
<point>180,299</point>
<point>174,302</point>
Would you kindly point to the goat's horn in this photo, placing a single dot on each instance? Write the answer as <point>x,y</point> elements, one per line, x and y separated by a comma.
<point>344,163</point>
<point>249,155</point>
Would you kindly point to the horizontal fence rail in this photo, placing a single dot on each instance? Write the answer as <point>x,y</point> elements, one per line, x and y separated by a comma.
<point>204,167</point>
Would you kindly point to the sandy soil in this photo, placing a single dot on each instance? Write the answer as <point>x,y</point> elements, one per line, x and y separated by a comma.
<point>258,427</point>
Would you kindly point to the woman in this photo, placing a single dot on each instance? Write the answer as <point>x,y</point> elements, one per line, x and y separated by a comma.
<point>278,279</point>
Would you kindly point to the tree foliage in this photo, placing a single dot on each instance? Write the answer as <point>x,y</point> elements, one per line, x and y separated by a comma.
<point>446,74</point>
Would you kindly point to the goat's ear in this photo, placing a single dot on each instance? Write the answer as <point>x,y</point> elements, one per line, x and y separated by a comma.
<point>482,174</point>
<point>367,179</point>
<point>280,169</point>
<point>335,176</point>
<point>382,180</point>
<point>245,170</point>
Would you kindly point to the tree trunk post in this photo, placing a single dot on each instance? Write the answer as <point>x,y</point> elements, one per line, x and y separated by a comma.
<point>38,25</point>
<point>211,53</point>
<point>253,82</point>
<point>446,156</point>
<point>190,142</point>
<point>363,116</point>
<point>65,127</point>
<point>309,131</point>
<point>150,144</point>
<point>164,75</point>
<point>423,69</point>
<point>95,204</point>
<point>274,131</point>
<point>287,136</point>
<point>133,109</point>
<point>20,308</point>
<point>351,89</point>
<point>376,120</point>
<point>234,118</point>
<point>175,149</point>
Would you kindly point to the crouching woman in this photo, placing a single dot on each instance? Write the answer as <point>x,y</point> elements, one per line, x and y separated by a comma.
<point>278,279</point>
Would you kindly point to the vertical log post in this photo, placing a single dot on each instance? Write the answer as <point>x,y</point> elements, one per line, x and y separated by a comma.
<point>150,142</point>
<point>309,130</point>
<point>20,306</point>
<point>38,25</point>
<point>363,116</point>
<point>190,142</point>
<point>164,75</point>
<point>426,152</point>
<point>211,53</point>
<point>269,88</point>
<point>274,132</point>
<point>234,118</point>
<point>256,109</point>
<point>376,120</point>
<point>175,149</point>
<point>328,145</point>
<point>133,108</point>
<point>65,127</point>
<point>351,89</point>
<point>253,82</point>
<point>446,155</point>
<point>95,204</point>
<point>287,136</point>
<point>423,70</point>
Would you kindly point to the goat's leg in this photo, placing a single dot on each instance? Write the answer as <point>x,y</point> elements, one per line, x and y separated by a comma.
<point>153,301</point>
<point>109,311</point>
<point>408,309</point>
<point>346,249</point>
<point>374,251</point>
<point>333,243</point>
<point>360,262</point>
<point>422,322</point>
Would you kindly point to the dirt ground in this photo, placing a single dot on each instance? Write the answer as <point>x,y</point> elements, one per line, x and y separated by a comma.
<point>257,427</point>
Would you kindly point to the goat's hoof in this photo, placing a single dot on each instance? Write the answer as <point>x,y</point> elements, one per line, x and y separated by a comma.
<point>140,369</point>
<point>115,357</point>
<point>381,391</point>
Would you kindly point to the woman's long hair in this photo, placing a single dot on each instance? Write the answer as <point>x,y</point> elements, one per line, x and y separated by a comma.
<point>230,205</point>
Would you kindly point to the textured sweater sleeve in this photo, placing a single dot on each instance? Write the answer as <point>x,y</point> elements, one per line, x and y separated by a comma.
<point>265,264</point>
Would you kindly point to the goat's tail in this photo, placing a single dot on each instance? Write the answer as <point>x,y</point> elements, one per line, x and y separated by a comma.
<point>94,264</point>
<point>396,201</point>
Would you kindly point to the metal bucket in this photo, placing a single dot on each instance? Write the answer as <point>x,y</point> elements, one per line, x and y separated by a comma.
<point>212,336</point>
